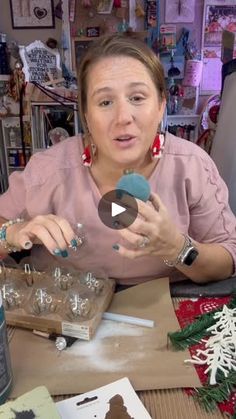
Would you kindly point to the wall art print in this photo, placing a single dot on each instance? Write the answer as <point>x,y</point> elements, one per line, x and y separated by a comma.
<point>179,11</point>
<point>27,14</point>
<point>217,18</point>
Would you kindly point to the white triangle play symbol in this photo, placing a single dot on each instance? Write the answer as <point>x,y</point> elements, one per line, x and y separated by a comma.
<point>116,209</point>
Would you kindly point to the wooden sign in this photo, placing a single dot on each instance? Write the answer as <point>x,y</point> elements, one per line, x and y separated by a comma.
<point>38,61</point>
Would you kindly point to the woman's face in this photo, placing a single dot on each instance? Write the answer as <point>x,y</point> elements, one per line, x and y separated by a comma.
<point>123,110</point>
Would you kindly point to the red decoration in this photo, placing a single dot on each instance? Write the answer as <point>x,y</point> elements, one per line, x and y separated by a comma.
<point>157,146</point>
<point>117,4</point>
<point>186,313</point>
<point>86,156</point>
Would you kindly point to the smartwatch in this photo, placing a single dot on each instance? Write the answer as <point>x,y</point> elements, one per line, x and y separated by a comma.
<point>187,255</point>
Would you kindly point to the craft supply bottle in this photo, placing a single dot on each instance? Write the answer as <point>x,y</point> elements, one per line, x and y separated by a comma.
<point>13,158</point>
<point>12,138</point>
<point>21,158</point>
<point>5,363</point>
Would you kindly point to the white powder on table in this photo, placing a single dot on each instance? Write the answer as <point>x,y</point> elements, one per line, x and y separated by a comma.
<point>103,352</point>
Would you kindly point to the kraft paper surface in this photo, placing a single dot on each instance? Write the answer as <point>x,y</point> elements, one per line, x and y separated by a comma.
<point>118,350</point>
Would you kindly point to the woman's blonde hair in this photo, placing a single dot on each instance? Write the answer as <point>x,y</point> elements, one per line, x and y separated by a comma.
<point>117,45</point>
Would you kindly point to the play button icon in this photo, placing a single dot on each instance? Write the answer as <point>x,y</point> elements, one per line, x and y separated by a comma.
<point>117,209</point>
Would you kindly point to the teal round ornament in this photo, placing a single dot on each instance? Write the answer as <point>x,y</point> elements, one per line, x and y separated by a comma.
<point>136,185</point>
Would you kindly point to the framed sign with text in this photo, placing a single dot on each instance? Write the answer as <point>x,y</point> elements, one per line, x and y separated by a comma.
<point>39,61</point>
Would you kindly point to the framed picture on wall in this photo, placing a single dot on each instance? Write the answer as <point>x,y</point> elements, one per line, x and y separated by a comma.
<point>218,15</point>
<point>79,46</point>
<point>105,6</point>
<point>31,14</point>
<point>179,11</point>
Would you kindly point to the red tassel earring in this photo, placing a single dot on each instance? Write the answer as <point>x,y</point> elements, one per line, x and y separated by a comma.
<point>88,155</point>
<point>157,146</point>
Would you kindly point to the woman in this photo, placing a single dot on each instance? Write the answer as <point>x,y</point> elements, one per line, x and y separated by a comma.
<point>185,228</point>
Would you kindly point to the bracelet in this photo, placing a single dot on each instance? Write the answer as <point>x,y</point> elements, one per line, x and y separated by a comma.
<point>170,263</point>
<point>3,233</point>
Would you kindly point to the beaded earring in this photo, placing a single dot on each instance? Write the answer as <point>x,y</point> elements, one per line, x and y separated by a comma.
<point>158,146</point>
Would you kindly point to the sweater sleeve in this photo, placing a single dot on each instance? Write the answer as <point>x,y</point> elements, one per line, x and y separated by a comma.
<point>211,219</point>
<point>12,202</point>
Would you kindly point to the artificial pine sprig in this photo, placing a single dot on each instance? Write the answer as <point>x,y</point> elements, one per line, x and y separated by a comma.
<point>194,332</point>
<point>208,396</point>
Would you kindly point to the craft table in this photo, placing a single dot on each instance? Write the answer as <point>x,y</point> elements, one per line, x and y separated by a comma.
<point>172,403</point>
<point>164,404</point>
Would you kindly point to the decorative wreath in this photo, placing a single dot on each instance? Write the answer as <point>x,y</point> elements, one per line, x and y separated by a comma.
<point>208,122</point>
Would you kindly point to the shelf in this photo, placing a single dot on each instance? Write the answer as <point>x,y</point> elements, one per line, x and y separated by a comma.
<point>4,77</point>
<point>182,119</point>
<point>138,34</point>
<point>16,167</point>
<point>13,121</point>
<point>84,38</point>
<point>180,116</point>
<point>38,149</point>
<point>17,148</point>
<point>183,125</point>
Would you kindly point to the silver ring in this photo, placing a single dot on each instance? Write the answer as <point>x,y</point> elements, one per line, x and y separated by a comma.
<point>144,242</point>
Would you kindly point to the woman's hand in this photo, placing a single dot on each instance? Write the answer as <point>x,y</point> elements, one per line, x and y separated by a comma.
<point>152,233</point>
<point>54,232</point>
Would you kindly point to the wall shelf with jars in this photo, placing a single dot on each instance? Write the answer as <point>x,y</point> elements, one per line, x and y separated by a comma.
<point>184,126</point>
<point>16,152</point>
<point>52,123</point>
<point>3,171</point>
